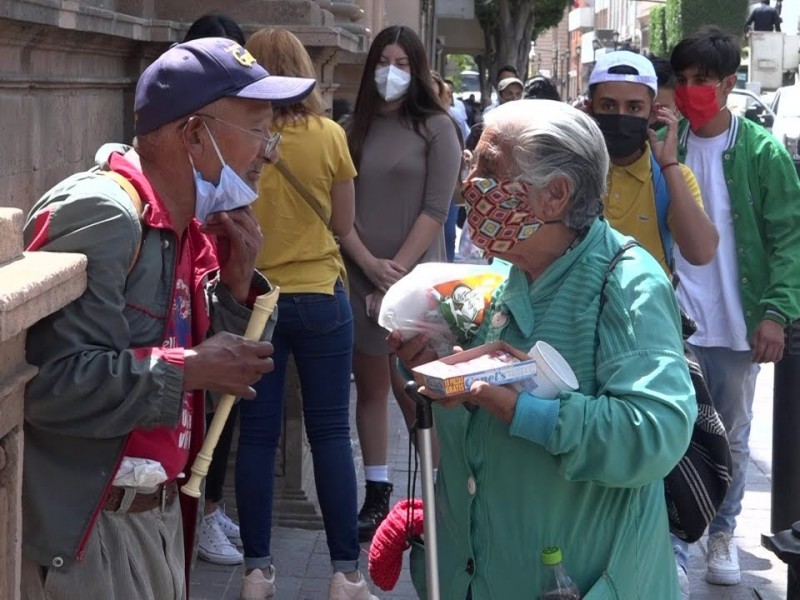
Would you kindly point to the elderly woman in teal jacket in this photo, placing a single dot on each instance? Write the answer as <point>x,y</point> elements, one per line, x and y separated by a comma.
<point>584,471</point>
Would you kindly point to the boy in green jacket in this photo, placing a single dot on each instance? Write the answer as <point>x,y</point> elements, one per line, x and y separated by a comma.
<point>750,292</point>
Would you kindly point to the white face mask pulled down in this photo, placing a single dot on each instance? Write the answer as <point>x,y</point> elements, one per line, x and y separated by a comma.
<point>230,193</point>
<point>392,82</point>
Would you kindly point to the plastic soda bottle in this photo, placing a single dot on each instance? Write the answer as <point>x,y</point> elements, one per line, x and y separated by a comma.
<point>556,584</point>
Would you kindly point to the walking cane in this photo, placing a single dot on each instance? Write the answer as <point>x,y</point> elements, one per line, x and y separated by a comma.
<point>425,451</point>
<point>263,307</point>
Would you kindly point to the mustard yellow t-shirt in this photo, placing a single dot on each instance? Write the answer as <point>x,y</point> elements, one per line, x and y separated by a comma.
<point>299,253</point>
<point>630,204</point>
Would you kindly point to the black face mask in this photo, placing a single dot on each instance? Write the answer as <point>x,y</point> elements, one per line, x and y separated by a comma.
<point>624,134</point>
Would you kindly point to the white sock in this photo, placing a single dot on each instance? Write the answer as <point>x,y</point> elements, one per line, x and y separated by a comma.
<point>377,473</point>
<point>435,474</point>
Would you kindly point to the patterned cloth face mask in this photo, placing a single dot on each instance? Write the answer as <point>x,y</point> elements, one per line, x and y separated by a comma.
<point>498,213</point>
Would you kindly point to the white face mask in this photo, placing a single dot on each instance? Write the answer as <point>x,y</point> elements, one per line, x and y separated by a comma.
<point>392,82</point>
<point>230,193</point>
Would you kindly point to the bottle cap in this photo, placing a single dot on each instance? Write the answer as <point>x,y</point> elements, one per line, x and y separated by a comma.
<point>551,556</point>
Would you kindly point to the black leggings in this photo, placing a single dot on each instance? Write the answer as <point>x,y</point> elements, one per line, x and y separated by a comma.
<point>215,480</point>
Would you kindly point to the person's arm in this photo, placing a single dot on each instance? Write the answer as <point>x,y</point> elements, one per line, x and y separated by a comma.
<point>780,302</point>
<point>639,423</point>
<point>692,230</point>
<point>343,194</point>
<point>441,174</point>
<point>91,381</point>
<point>381,272</point>
<point>343,207</point>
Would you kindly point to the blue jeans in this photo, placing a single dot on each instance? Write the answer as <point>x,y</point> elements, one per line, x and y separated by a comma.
<point>731,379</point>
<point>450,233</point>
<point>317,329</point>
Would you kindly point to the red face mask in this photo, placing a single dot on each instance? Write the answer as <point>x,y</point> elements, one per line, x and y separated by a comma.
<point>698,103</point>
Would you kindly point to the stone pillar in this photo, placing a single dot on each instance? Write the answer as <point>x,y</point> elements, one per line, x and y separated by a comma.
<point>295,503</point>
<point>32,286</point>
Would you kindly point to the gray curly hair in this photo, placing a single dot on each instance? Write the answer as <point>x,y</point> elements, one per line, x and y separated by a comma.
<point>551,139</point>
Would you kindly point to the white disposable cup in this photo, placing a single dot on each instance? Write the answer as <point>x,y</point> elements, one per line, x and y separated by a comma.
<point>553,373</point>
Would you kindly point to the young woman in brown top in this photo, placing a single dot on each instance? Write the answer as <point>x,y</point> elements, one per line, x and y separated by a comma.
<point>407,155</point>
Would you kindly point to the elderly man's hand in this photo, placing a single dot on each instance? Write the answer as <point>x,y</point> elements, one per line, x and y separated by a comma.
<point>239,238</point>
<point>228,364</point>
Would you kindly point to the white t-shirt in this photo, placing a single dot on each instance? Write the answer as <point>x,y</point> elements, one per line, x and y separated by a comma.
<point>710,293</point>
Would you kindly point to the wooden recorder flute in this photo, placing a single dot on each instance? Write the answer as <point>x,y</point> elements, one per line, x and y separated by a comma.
<point>263,308</point>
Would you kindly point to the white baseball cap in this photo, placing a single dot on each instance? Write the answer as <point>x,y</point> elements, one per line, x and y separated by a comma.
<point>504,83</point>
<point>646,74</point>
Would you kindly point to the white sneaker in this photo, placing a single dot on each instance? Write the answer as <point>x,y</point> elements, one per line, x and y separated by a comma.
<point>257,587</point>
<point>229,528</point>
<point>342,589</point>
<point>683,581</point>
<point>214,546</point>
<point>723,560</point>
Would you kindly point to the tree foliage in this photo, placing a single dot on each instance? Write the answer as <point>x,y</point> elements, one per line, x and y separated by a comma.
<point>509,26</point>
<point>684,17</point>
<point>658,31</point>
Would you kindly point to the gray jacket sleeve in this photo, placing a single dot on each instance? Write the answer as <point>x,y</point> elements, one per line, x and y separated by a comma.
<point>91,382</point>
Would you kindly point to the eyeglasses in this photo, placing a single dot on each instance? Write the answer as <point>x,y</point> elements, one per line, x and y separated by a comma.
<point>271,141</point>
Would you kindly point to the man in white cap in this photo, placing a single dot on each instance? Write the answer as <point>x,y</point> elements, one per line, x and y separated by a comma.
<point>651,196</point>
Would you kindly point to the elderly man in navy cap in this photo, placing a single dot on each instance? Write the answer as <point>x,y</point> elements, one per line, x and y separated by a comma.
<point>115,415</point>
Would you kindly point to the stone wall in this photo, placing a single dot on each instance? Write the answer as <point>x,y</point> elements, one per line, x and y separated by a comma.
<point>32,286</point>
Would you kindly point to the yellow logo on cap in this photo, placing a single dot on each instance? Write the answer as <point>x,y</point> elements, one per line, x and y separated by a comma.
<point>242,56</point>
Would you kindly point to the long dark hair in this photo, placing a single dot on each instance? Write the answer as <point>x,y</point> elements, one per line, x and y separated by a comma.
<point>419,103</point>
<point>215,25</point>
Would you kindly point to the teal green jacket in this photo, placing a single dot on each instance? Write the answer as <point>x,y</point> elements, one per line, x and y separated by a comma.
<point>583,472</point>
<point>765,207</point>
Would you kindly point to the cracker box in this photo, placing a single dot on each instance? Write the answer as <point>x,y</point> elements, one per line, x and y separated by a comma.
<point>496,363</point>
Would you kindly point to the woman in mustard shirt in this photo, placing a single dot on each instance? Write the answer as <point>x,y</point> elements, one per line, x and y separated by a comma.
<point>310,188</point>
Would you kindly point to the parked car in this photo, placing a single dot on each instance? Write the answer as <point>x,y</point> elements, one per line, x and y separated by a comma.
<point>470,85</point>
<point>786,106</point>
<point>747,104</point>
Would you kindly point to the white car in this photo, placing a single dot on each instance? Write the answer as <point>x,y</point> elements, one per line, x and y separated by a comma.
<point>747,104</point>
<point>786,106</point>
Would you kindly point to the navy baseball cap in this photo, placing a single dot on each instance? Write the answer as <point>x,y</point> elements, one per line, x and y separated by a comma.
<point>191,75</point>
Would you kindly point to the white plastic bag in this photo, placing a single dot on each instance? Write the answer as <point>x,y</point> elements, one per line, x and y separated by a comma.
<point>444,301</point>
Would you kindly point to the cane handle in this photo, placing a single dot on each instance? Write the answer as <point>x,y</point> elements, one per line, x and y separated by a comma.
<point>263,308</point>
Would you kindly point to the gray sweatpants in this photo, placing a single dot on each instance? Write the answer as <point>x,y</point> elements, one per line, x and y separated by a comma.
<point>129,556</point>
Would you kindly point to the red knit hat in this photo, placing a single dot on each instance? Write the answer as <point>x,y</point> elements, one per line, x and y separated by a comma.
<point>392,538</point>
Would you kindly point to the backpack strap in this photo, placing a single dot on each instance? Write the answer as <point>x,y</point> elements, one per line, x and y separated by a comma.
<point>661,194</point>
<point>611,265</point>
<point>136,200</point>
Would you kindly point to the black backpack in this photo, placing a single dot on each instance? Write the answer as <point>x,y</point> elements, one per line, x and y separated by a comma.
<point>696,487</point>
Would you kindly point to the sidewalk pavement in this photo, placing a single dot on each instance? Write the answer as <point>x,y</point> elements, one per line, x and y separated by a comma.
<point>303,566</point>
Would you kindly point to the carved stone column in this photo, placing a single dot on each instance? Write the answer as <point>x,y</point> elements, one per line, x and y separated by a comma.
<point>31,287</point>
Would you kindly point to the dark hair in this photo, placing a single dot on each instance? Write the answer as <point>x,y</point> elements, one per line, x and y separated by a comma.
<point>664,73</point>
<point>713,51</point>
<point>215,25</point>
<point>340,107</point>
<point>620,70</point>
<point>506,68</point>
<point>541,88</point>
<point>419,102</point>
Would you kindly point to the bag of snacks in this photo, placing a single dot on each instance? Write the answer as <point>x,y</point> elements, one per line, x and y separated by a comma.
<point>445,301</point>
